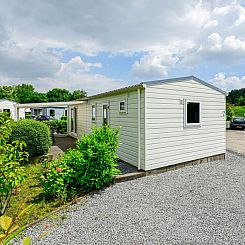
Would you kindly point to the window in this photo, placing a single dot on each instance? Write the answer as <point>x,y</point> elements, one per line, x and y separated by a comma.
<point>192,113</point>
<point>74,120</point>
<point>7,112</point>
<point>52,112</point>
<point>105,113</point>
<point>123,106</point>
<point>93,113</point>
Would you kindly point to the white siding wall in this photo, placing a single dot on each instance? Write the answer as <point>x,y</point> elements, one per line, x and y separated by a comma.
<point>167,140</point>
<point>128,150</point>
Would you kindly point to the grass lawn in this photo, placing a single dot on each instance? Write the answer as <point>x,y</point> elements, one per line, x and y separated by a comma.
<point>30,192</point>
<point>239,111</point>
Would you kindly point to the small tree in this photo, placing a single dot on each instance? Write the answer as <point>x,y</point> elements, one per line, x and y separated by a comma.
<point>229,112</point>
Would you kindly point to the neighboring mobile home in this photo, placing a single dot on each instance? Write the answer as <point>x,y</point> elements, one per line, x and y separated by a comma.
<point>162,123</point>
<point>55,111</point>
<point>8,107</point>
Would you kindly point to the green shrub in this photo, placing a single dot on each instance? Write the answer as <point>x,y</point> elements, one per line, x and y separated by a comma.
<point>90,166</point>
<point>11,156</point>
<point>99,155</point>
<point>59,178</point>
<point>229,112</point>
<point>35,134</point>
<point>63,118</point>
<point>57,126</point>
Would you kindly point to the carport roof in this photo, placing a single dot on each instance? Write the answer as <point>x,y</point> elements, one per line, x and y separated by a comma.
<point>48,104</point>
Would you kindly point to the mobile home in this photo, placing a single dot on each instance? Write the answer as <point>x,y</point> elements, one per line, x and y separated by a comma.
<point>161,123</point>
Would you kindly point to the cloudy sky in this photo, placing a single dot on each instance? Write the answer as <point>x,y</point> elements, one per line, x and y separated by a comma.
<point>105,44</point>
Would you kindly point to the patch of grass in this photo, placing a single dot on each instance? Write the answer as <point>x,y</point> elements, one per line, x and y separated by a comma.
<point>239,111</point>
<point>30,193</point>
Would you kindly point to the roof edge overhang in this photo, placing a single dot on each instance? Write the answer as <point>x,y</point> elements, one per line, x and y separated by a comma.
<point>115,92</point>
<point>185,79</point>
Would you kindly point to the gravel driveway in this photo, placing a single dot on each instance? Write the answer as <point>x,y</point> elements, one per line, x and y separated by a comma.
<point>202,204</point>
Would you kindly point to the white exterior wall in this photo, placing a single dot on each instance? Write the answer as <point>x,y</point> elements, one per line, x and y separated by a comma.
<point>167,141</point>
<point>6,104</point>
<point>127,122</point>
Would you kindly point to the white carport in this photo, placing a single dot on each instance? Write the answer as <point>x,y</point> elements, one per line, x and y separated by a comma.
<point>17,107</point>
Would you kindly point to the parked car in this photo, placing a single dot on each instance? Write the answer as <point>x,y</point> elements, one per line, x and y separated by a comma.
<point>238,123</point>
<point>44,118</point>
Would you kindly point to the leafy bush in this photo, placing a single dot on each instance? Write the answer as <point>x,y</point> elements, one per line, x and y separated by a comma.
<point>59,178</point>
<point>63,118</point>
<point>90,166</point>
<point>99,156</point>
<point>57,126</point>
<point>11,156</point>
<point>35,134</point>
<point>229,112</point>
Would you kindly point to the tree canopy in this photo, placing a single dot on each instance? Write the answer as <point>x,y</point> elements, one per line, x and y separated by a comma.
<point>236,96</point>
<point>25,93</point>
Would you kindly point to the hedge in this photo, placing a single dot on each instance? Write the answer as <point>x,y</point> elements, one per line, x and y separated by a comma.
<point>35,134</point>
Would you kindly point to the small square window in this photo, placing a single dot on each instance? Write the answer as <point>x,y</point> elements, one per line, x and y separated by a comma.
<point>192,113</point>
<point>93,113</point>
<point>122,106</point>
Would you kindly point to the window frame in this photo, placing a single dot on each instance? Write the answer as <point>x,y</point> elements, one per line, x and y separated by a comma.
<point>125,104</point>
<point>108,113</point>
<point>186,124</point>
<point>93,106</point>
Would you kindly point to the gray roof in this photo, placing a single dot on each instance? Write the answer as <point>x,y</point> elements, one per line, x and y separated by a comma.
<point>140,85</point>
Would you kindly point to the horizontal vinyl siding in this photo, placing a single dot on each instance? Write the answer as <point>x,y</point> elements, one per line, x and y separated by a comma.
<point>127,122</point>
<point>167,140</point>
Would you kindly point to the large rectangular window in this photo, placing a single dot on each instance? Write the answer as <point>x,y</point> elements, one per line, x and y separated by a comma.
<point>192,113</point>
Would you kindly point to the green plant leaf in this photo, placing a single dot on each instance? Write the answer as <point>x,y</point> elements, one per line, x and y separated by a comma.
<point>5,222</point>
<point>26,241</point>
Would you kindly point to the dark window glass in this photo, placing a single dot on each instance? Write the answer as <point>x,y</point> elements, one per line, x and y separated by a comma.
<point>193,112</point>
<point>122,106</point>
<point>52,113</point>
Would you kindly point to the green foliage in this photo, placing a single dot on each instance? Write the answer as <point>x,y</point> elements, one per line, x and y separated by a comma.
<point>35,134</point>
<point>239,111</point>
<point>99,155</point>
<point>57,126</point>
<point>229,112</point>
<point>58,94</point>
<point>25,93</point>
<point>60,177</point>
<point>7,92</point>
<point>11,229</point>
<point>63,118</point>
<point>90,166</point>
<point>236,96</point>
<point>11,156</point>
<point>78,94</point>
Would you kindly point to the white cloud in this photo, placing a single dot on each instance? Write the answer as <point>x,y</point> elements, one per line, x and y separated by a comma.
<point>154,65</point>
<point>73,75</point>
<point>228,83</point>
<point>167,32</point>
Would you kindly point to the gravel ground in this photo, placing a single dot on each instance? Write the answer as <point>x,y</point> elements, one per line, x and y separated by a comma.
<point>202,204</point>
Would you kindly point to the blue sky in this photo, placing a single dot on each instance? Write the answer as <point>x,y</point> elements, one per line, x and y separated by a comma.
<point>102,45</point>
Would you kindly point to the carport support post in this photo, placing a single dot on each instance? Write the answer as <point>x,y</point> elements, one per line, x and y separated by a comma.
<point>139,150</point>
<point>16,113</point>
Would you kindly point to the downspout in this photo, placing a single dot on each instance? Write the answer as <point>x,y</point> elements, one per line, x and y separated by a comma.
<point>139,131</point>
